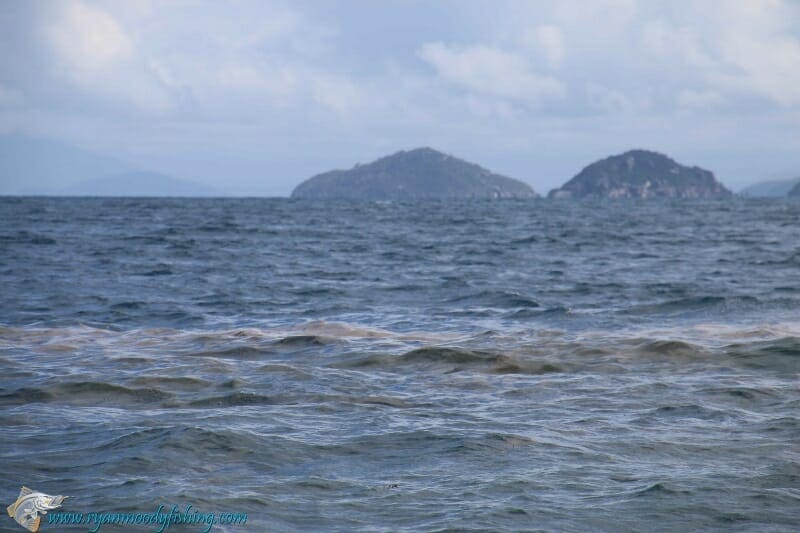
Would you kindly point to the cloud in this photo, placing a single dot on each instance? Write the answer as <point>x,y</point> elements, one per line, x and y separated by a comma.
<point>88,39</point>
<point>338,94</point>
<point>573,58</point>
<point>683,43</point>
<point>606,100</point>
<point>768,66</point>
<point>491,72</point>
<point>550,40</point>
<point>734,49</point>
<point>93,52</point>
<point>631,56</point>
<point>503,76</point>
<point>178,58</point>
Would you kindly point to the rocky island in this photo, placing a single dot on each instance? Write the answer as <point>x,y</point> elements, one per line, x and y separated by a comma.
<point>795,192</point>
<point>641,174</point>
<point>423,173</point>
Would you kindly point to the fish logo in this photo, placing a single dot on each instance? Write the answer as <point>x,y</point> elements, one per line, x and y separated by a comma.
<point>30,504</point>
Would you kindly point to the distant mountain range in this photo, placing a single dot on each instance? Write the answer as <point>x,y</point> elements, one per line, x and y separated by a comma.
<point>641,174</point>
<point>35,166</point>
<point>771,189</point>
<point>138,183</point>
<point>415,174</point>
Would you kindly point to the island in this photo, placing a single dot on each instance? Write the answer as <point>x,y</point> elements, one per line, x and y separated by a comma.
<point>422,173</point>
<point>795,192</point>
<point>641,174</point>
<point>771,189</point>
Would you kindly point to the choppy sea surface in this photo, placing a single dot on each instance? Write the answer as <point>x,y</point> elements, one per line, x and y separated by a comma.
<point>486,365</point>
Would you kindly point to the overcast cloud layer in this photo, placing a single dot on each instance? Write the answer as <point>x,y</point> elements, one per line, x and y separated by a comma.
<point>253,97</point>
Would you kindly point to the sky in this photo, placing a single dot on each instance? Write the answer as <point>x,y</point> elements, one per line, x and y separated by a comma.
<point>252,97</point>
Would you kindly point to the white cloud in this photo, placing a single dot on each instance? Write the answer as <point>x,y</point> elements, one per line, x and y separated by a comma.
<point>606,57</point>
<point>161,57</point>
<point>607,100</point>
<point>739,47</point>
<point>88,38</point>
<point>493,72</point>
<point>549,40</point>
<point>94,52</point>
<point>767,65</point>
<point>337,94</point>
<point>669,43</point>
<point>552,41</point>
<point>603,19</point>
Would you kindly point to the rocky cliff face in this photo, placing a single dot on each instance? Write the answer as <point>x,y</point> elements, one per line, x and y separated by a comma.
<point>416,174</point>
<point>641,174</point>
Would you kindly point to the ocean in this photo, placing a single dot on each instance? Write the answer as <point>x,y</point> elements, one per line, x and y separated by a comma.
<point>430,366</point>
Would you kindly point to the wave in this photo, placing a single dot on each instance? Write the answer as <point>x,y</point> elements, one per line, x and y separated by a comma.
<point>447,359</point>
<point>696,303</point>
<point>180,383</point>
<point>745,394</point>
<point>298,350</point>
<point>496,298</point>
<point>670,348</point>
<point>86,393</point>
<point>783,347</point>
<point>232,400</point>
<point>781,354</point>
<point>180,438</point>
<point>683,411</point>
<point>660,489</point>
